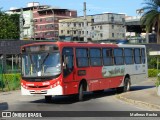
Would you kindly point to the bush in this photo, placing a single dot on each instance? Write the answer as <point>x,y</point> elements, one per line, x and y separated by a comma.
<point>10,81</point>
<point>152,72</point>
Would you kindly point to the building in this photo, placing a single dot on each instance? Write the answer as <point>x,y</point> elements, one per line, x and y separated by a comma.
<point>46,21</point>
<point>41,21</point>
<point>74,27</point>
<point>108,27</point>
<point>100,27</point>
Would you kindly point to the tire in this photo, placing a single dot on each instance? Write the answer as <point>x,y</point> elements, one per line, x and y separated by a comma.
<point>127,85</point>
<point>80,93</point>
<point>48,99</point>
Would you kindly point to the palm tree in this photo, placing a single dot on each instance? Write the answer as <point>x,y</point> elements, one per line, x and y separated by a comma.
<point>151,16</point>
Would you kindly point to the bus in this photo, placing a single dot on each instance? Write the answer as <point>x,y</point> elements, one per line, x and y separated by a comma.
<point>72,68</point>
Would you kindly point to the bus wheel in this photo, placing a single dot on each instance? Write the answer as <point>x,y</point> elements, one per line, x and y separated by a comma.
<point>48,99</point>
<point>80,94</point>
<point>127,85</point>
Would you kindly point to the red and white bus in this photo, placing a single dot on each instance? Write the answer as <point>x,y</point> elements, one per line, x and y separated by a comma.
<point>65,68</point>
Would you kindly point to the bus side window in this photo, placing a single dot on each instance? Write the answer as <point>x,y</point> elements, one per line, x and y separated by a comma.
<point>143,55</point>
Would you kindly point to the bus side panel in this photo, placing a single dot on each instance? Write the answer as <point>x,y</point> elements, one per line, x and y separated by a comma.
<point>70,88</point>
<point>137,72</point>
<point>115,81</point>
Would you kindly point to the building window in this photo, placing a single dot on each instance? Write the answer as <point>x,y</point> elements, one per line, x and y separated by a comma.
<point>113,35</point>
<point>83,24</point>
<point>123,35</point>
<point>87,32</point>
<point>56,25</point>
<point>68,32</point>
<point>100,27</point>
<point>74,32</point>
<point>62,31</point>
<point>101,34</point>
<point>55,18</point>
<point>79,24</point>
<point>82,32</point>
<point>123,20</point>
<point>41,20</point>
<point>112,26</point>
<point>74,24</point>
<point>79,32</point>
<point>92,20</point>
<point>112,19</point>
<point>92,27</point>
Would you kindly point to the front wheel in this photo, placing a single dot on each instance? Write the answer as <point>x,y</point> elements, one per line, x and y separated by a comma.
<point>127,85</point>
<point>48,99</point>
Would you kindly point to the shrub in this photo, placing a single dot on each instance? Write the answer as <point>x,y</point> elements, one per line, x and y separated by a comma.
<point>10,82</point>
<point>152,72</point>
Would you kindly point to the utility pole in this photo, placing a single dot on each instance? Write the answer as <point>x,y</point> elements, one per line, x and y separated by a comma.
<point>21,25</point>
<point>85,23</point>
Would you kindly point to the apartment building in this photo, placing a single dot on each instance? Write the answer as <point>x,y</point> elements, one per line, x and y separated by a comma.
<point>100,27</point>
<point>74,27</point>
<point>46,21</point>
<point>41,21</point>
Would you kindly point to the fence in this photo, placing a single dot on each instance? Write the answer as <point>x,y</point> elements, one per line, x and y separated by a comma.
<point>9,80</point>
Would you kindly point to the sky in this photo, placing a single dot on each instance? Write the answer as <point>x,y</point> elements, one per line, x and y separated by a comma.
<point>128,7</point>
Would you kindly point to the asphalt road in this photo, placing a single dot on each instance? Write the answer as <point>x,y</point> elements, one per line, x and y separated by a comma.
<point>106,101</point>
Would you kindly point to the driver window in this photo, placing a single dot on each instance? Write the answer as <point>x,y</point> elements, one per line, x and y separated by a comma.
<point>67,61</point>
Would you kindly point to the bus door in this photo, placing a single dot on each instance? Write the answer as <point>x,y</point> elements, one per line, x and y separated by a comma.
<point>68,64</point>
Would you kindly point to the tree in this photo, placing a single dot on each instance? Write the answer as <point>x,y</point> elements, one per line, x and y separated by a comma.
<point>151,16</point>
<point>9,26</point>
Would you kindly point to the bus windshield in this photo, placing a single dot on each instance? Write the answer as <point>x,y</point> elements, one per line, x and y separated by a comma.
<point>41,64</point>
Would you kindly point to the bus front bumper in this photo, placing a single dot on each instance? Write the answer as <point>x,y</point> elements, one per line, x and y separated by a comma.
<point>58,90</point>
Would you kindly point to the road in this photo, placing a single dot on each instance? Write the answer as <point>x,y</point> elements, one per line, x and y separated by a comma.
<point>105,101</point>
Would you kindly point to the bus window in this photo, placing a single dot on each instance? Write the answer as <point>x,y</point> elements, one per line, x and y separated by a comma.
<point>107,57</point>
<point>128,54</point>
<point>118,56</point>
<point>67,60</point>
<point>82,57</point>
<point>143,55</point>
<point>95,57</point>
<point>137,56</point>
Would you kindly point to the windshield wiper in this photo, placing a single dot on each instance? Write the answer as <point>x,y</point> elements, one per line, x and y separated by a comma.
<point>45,59</point>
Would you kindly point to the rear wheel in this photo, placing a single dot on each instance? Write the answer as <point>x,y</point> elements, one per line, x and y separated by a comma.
<point>48,99</point>
<point>127,85</point>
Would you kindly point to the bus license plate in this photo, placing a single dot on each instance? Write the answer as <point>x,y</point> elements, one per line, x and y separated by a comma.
<point>37,91</point>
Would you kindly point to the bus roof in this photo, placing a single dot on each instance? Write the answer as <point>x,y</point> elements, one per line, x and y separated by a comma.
<point>83,44</point>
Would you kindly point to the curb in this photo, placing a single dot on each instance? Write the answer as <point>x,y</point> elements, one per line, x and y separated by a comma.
<point>139,103</point>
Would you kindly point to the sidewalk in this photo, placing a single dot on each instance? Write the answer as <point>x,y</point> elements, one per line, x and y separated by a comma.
<point>146,98</point>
